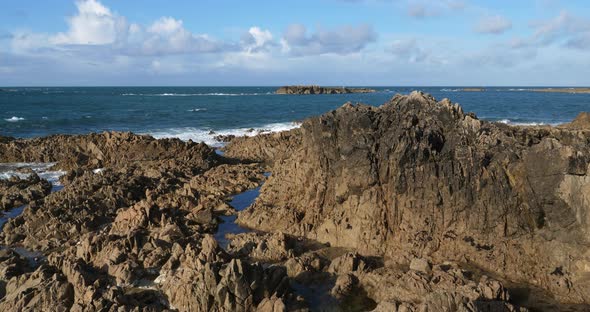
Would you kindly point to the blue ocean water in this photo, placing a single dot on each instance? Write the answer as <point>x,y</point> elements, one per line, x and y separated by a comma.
<point>199,113</point>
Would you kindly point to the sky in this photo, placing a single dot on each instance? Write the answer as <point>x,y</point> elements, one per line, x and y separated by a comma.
<point>326,42</point>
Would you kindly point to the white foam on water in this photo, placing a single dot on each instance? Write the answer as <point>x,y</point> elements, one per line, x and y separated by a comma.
<point>208,136</point>
<point>8,170</point>
<point>14,119</point>
<point>509,122</point>
<point>197,110</point>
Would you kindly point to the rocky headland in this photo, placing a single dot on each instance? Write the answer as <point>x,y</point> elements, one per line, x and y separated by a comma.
<point>320,90</point>
<point>414,205</point>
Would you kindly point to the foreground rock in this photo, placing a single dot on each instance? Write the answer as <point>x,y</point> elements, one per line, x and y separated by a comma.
<point>110,233</point>
<point>100,150</point>
<point>581,122</point>
<point>16,192</point>
<point>411,206</point>
<point>320,90</point>
<point>417,178</point>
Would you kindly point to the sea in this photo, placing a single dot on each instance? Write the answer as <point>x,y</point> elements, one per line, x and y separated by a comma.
<point>201,113</point>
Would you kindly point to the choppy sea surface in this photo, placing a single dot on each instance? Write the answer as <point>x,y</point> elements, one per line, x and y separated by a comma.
<point>200,113</point>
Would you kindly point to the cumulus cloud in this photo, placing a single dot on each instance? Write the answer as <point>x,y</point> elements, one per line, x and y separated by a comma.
<point>94,24</point>
<point>257,40</point>
<point>343,40</point>
<point>168,36</point>
<point>495,24</point>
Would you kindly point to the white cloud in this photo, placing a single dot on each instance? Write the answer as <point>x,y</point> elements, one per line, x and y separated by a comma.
<point>495,24</point>
<point>166,26</point>
<point>168,36</point>
<point>343,40</point>
<point>257,40</point>
<point>94,24</point>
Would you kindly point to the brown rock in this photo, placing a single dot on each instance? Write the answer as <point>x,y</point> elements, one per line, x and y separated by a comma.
<point>420,178</point>
<point>16,192</point>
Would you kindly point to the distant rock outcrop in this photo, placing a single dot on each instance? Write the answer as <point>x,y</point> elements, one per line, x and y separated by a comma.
<point>320,90</point>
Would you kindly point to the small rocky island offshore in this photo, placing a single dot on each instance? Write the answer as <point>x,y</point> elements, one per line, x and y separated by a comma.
<point>411,206</point>
<point>320,90</point>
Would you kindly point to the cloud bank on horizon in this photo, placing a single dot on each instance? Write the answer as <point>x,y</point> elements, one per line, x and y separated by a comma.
<point>338,42</point>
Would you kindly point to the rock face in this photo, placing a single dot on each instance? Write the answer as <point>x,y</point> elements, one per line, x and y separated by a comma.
<point>411,206</point>
<point>16,192</point>
<point>121,238</point>
<point>320,90</point>
<point>420,178</point>
<point>581,122</point>
<point>99,150</point>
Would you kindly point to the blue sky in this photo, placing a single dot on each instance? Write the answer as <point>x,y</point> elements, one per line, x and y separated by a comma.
<point>335,42</point>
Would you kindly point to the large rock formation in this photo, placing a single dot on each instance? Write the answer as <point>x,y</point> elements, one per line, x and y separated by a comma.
<point>411,206</point>
<point>320,90</point>
<point>420,178</point>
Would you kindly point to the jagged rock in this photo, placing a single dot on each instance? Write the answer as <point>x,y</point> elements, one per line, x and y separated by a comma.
<point>16,192</point>
<point>272,304</point>
<point>420,265</point>
<point>109,231</point>
<point>344,285</point>
<point>581,122</point>
<point>262,247</point>
<point>12,264</point>
<point>349,262</point>
<point>224,138</point>
<point>102,150</point>
<point>45,289</point>
<point>417,177</point>
<point>381,188</point>
<point>264,147</point>
<point>235,286</point>
<point>448,288</point>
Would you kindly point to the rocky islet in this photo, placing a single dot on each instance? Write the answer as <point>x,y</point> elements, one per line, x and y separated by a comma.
<point>313,89</point>
<point>410,206</point>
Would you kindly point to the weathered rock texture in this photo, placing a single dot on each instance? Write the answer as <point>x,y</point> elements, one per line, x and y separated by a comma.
<point>411,206</point>
<point>420,178</point>
<point>99,150</point>
<point>320,90</point>
<point>109,233</point>
<point>16,192</point>
<point>581,122</point>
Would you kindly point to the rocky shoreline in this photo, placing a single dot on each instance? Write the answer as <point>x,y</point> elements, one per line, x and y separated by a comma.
<point>320,90</point>
<point>411,206</point>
